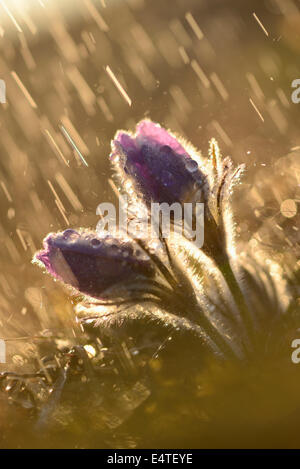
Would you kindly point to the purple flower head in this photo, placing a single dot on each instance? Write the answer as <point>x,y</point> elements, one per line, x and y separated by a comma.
<point>160,167</point>
<point>90,263</point>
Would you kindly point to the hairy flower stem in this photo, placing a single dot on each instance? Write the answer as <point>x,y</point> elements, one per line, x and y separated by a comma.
<point>195,314</point>
<point>215,248</point>
<point>238,295</point>
<point>159,264</point>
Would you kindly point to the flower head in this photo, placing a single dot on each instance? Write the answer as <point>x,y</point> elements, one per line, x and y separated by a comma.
<point>160,167</point>
<point>92,264</point>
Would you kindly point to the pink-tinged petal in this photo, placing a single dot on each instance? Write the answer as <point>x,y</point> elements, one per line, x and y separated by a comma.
<point>127,142</point>
<point>156,134</point>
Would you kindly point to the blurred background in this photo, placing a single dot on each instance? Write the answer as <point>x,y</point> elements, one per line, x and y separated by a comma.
<point>76,71</point>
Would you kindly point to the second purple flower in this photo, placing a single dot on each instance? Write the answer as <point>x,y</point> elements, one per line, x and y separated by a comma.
<point>157,163</point>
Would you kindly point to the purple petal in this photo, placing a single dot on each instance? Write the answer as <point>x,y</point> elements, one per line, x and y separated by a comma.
<point>91,264</point>
<point>157,163</point>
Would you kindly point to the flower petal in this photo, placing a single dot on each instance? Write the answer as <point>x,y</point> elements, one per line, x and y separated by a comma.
<point>157,163</point>
<point>92,264</point>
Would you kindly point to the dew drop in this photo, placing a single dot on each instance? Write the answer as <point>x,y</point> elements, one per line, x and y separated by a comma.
<point>70,234</point>
<point>95,242</point>
<point>165,149</point>
<point>191,165</point>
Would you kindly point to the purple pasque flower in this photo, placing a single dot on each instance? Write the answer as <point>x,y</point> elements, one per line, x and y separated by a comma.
<point>92,264</point>
<point>158,163</point>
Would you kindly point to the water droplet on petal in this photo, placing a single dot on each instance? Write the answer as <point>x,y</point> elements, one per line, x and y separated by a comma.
<point>115,249</point>
<point>165,149</point>
<point>69,234</point>
<point>95,242</point>
<point>191,165</point>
